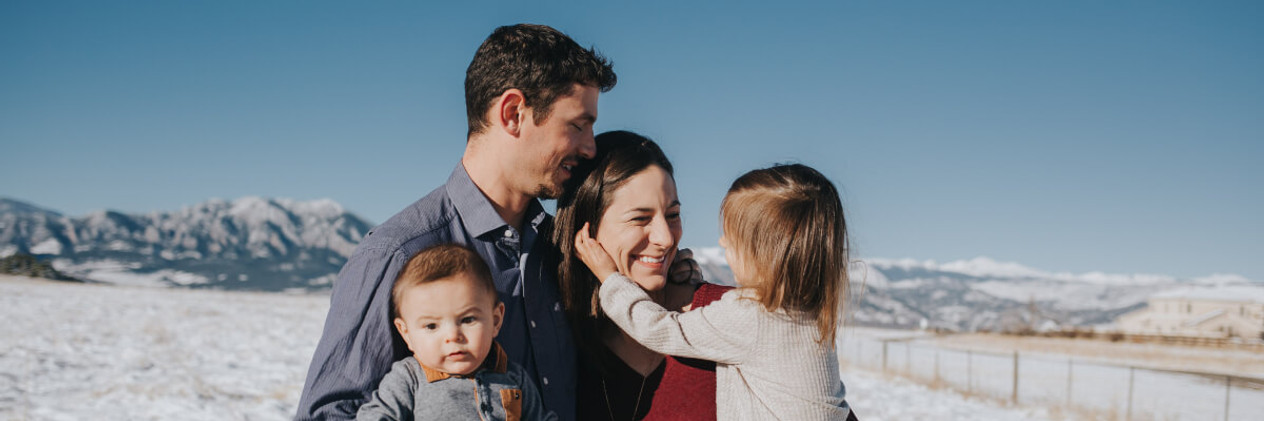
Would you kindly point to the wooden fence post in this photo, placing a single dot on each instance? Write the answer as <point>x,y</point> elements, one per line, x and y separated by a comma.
<point>936,365</point>
<point>1070,376</point>
<point>1014,397</point>
<point>1227,380</point>
<point>907,357</point>
<point>1131,376</point>
<point>884,357</point>
<point>969,371</point>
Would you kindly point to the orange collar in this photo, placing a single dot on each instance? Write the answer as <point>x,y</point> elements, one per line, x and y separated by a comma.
<point>496,361</point>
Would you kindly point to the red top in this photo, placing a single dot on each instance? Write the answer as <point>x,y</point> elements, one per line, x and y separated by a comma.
<point>679,389</point>
<point>687,390</point>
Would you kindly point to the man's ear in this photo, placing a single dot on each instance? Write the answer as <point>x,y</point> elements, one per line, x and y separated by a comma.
<point>510,111</point>
<point>498,316</point>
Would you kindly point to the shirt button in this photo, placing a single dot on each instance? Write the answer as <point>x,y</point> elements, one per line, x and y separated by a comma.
<point>557,306</point>
<point>545,381</point>
<point>533,324</point>
<point>508,233</point>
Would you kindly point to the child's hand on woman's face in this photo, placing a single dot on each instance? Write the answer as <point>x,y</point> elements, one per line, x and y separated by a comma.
<point>594,255</point>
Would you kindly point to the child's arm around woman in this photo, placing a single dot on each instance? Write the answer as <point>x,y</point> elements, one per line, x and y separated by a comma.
<point>723,331</point>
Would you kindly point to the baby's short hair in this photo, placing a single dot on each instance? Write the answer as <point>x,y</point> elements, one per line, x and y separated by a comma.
<point>440,262</point>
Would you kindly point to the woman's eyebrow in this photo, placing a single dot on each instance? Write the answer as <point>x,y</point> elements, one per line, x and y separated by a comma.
<point>673,204</point>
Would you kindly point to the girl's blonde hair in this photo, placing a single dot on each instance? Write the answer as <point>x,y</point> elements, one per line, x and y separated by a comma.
<point>786,225</point>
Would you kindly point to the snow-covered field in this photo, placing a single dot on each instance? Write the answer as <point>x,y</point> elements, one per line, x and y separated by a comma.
<point>73,351</point>
<point>1083,379</point>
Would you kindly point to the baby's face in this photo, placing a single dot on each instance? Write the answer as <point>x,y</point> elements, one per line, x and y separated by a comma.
<point>450,324</point>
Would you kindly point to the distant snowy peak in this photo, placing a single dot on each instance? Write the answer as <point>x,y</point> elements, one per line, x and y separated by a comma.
<point>984,267</point>
<point>11,206</point>
<point>987,268</point>
<point>709,255</point>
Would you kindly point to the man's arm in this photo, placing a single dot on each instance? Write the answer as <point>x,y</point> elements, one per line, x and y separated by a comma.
<point>356,348</point>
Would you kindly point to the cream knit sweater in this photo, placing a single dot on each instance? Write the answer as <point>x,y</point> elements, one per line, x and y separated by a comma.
<point>768,365</point>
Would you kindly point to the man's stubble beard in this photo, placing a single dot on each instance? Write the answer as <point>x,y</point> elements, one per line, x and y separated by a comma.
<point>545,191</point>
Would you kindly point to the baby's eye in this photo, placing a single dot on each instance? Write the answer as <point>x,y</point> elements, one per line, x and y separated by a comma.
<point>430,326</point>
<point>469,319</point>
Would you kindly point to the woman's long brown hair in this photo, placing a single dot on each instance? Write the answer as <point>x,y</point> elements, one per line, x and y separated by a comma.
<point>620,155</point>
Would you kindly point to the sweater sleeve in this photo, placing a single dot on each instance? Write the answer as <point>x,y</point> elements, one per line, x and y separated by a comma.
<point>723,331</point>
<point>393,400</point>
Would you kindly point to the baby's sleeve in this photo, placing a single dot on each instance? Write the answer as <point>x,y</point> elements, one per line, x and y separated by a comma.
<point>393,400</point>
<point>722,331</point>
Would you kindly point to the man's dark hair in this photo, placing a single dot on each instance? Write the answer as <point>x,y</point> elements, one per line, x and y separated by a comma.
<point>540,61</point>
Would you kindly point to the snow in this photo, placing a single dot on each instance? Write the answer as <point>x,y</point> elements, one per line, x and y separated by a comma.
<point>324,208</point>
<point>709,255</point>
<point>875,397</point>
<point>81,351</point>
<point>1232,293</point>
<point>1202,318</point>
<point>1221,279</point>
<point>120,273</point>
<point>1067,296</point>
<point>860,272</point>
<point>49,246</point>
<point>984,267</point>
<point>1099,387</point>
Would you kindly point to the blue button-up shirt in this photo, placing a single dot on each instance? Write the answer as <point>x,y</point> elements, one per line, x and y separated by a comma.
<point>360,343</point>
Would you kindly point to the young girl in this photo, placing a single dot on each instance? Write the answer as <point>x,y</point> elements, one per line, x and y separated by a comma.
<point>772,338</point>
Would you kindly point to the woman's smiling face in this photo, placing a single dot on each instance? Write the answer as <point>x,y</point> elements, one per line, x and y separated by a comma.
<point>641,227</point>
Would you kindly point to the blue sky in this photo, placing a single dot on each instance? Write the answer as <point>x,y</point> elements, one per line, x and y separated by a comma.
<point>1067,136</point>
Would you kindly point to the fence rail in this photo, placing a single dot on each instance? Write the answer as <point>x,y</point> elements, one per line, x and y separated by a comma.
<point>1100,390</point>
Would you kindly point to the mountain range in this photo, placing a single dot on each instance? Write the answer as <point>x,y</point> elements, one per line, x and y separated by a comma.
<point>248,243</point>
<point>266,244</point>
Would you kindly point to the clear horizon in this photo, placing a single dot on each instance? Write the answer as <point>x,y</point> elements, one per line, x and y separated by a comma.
<point>1072,136</point>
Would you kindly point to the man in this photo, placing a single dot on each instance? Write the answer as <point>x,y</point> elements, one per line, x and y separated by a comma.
<point>531,101</point>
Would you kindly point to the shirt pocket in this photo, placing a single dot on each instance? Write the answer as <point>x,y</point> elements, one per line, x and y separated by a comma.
<point>511,399</point>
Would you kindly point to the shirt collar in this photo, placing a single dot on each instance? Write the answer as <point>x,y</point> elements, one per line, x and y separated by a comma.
<point>496,361</point>
<point>476,210</point>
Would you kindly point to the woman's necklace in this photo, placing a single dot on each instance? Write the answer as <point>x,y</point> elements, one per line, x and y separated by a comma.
<point>635,409</point>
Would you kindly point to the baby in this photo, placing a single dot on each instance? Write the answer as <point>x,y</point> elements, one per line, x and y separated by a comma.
<point>446,309</point>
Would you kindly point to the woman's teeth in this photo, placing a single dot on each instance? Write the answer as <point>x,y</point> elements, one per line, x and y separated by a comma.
<point>648,259</point>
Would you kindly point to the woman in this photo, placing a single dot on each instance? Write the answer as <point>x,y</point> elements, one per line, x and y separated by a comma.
<point>628,196</point>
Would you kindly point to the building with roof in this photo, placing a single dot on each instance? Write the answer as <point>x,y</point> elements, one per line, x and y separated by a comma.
<point>1225,312</point>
